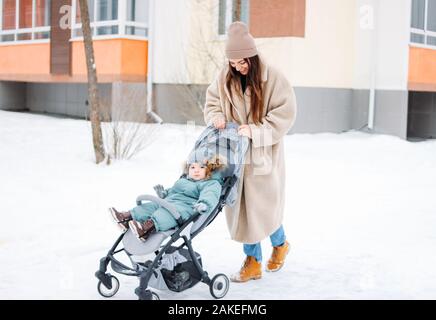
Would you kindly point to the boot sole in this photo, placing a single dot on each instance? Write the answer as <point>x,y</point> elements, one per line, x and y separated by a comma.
<point>136,233</point>
<point>275,270</point>
<point>252,278</point>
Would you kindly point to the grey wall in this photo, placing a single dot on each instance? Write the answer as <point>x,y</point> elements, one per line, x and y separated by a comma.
<point>180,103</point>
<point>391,109</point>
<point>12,95</point>
<point>129,101</point>
<point>360,102</point>
<point>322,110</point>
<point>319,109</point>
<point>62,98</point>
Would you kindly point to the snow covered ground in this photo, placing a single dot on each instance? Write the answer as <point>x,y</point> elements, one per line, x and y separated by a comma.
<point>360,214</point>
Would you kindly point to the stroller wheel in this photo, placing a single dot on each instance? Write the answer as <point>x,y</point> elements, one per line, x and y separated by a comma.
<point>109,292</point>
<point>154,296</point>
<point>219,286</point>
<point>146,294</point>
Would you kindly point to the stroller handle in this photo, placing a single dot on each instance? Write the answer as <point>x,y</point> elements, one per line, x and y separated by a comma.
<point>163,203</point>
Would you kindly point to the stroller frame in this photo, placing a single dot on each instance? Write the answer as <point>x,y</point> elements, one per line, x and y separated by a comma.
<point>145,271</point>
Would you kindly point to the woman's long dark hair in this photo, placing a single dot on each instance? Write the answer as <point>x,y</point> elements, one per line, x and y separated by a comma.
<point>254,81</point>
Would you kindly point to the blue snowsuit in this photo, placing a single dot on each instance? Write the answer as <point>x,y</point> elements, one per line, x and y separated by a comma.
<point>183,195</point>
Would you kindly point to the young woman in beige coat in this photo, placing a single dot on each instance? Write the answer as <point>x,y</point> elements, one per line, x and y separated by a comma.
<point>260,99</point>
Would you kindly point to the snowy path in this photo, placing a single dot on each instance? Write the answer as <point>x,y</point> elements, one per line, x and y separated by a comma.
<point>361,214</point>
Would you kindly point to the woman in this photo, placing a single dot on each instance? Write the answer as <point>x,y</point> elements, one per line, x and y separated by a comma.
<point>260,99</point>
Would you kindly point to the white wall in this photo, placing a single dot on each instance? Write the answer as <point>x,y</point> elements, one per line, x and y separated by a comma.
<point>324,58</point>
<point>393,53</point>
<point>335,52</point>
<point>172,19</point>
<point>384,48</point>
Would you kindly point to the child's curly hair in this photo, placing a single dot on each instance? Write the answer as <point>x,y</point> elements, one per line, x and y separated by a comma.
<point>215,163</point>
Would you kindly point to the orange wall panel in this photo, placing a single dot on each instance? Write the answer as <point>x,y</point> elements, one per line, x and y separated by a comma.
<point>422,69</point>
<point>107,56</point>
<point>25,59</point>
<point>116,60</point>
<point>134,57</point>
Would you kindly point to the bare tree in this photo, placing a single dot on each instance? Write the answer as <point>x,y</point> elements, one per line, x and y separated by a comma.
<point>206,50</point>
<point>236,9</point>
<point>97,137</point>
<point>208,55</point>
<point>125,130</point>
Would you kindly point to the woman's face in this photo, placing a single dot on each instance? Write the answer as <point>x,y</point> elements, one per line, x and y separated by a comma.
<point>240,65</point>
<point>197,171</point>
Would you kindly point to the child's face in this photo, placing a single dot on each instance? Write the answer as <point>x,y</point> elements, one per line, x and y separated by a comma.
<point>197,171</point>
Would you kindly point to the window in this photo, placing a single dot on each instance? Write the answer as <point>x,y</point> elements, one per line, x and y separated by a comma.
<point>103,15</point>
<point>8,14</point>
<point>30,19</point>
<point>90,11</point>
<point>42,17</point>
<point>114,17</point>
<point>107,10</point>
<point>230,11</point>
<point>24,20</point>
<point>137,17</point>
<point>423,22</point>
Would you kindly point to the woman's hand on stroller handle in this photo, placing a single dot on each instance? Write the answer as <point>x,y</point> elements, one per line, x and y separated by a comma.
<point>219,122</point>
<point>160,191</point>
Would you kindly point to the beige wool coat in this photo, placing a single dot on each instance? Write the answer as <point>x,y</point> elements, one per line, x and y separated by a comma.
<point>258,211</point>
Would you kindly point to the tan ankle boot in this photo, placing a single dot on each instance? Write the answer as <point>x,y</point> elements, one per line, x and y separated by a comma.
<point>251,270</point>
<point>278,256</point>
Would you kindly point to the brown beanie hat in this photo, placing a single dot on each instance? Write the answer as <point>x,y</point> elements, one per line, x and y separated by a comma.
<point>240,43</point>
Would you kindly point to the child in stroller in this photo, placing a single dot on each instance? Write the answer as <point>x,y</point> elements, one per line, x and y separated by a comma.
<point>197,191</point>
<point>176,266</point>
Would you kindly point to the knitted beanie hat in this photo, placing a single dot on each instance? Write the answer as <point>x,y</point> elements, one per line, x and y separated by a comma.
<point>240,43</point>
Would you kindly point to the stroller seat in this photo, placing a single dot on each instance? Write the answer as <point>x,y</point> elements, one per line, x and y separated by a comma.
<point>134,246</point>
<point>138,248</point>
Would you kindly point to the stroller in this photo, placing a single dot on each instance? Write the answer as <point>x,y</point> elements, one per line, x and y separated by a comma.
<point>177,267</point>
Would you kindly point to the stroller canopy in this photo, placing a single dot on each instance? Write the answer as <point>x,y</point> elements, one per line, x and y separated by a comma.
<point>228,145</point>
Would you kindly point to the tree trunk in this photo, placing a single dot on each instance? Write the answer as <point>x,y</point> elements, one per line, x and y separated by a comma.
<point>236,10</point>
<point>97,137</point>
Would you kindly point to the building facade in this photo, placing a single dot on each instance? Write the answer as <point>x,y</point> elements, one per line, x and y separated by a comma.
<point>42,58</point>
<point>354,64</point>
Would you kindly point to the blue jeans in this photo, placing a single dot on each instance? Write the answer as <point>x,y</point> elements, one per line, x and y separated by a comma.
<point>255,250</point>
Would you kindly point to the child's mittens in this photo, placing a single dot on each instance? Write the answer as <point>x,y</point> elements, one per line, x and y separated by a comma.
<point>200,207</point>
<point>160,191</point>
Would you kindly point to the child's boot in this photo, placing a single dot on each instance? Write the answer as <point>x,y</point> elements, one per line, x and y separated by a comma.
<point>121,218</point>
<point>142,229</point>
<point>251,270</point>
<point>277,260</point>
